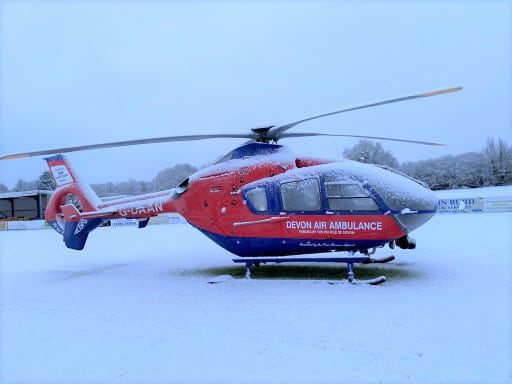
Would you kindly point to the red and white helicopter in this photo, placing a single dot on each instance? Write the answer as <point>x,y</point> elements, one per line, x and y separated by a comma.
<point>261,200</point>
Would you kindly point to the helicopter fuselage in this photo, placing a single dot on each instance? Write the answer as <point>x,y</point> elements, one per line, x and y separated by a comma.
<point>284,205</point>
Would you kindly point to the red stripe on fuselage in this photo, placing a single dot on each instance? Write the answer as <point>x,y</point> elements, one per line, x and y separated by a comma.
<point>355,227</point>
<point>318,227</point>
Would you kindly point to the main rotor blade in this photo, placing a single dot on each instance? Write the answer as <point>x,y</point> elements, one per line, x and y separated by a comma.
<point>306,134</point>
<point>276,132</point>
<point>129,142</point>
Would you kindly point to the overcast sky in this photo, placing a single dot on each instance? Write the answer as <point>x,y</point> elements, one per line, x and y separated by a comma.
<point>89,72</point>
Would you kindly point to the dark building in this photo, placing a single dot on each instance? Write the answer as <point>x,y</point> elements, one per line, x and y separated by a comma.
<point>26,205</point>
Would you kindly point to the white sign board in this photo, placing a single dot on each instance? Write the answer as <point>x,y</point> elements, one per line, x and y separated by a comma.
<point>498,204</point>
<point>61,175</point>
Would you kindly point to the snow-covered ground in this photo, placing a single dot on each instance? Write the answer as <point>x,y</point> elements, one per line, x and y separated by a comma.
<point>136,307</point>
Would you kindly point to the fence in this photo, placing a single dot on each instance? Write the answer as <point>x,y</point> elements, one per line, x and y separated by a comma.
<point>170,218</point>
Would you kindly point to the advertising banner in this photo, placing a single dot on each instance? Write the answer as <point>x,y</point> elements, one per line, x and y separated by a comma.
<point>32,224</point>
<point>498,204</point>
<point>466,205</point>
<point>475,205</point>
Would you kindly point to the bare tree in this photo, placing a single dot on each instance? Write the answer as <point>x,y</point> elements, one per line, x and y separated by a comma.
<point>499,158</point>
<point>367,151</point>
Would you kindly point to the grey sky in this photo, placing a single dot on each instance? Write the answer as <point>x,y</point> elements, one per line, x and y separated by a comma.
<point>89,72</point>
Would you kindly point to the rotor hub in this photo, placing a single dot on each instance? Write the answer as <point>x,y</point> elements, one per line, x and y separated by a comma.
<point>262,133</point>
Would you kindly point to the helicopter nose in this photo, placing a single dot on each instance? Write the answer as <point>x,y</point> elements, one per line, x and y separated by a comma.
<point>410,201</point>
<point>417,209</point>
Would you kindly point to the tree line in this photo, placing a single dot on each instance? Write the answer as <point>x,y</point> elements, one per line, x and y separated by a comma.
<point>491,166</point>
<point>44,182</point>
<point>165,179</point>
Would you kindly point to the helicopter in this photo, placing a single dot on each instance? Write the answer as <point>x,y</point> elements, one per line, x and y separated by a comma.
<point>262,202</point>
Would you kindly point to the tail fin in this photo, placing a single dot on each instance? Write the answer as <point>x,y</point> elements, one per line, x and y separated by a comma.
<point>64,175</point>
<point>71,198</point>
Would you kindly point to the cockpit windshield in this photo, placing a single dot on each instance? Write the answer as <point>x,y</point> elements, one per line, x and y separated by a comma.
<point>346,196</point>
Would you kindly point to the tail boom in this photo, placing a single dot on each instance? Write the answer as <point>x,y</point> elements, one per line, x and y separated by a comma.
<point>74,209</point>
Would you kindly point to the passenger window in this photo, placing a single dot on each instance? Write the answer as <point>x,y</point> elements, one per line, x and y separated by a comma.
<point>349,197</point>
<point>258,199</point>
<point>303,195</point>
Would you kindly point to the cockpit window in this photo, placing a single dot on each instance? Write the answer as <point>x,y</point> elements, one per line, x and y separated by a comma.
<point>344,190</point>
<point>348,197</point>
<point>258,199</point>
<point>301,196</point>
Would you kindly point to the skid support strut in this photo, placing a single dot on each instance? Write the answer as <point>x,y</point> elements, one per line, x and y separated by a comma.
<point>248,268</point>
<point>350,271</point>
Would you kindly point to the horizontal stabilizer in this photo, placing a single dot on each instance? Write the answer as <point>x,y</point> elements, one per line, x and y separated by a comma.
<point>70,212</point>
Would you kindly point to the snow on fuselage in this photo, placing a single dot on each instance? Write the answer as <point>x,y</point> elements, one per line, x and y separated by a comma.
<point>269,205</point>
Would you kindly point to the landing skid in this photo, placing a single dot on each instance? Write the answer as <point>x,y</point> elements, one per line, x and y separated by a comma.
<point>374,281</point>
<point>381,260</point>
<point>349,261</point>
<point>378,280</point>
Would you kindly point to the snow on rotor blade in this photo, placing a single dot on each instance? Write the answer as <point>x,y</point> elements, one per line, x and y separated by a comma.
<point>307,134</point>
<point>127,143</point>
<point>276,132</point>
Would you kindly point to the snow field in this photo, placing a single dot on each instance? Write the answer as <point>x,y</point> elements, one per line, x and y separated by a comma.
<point>135,306</point>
